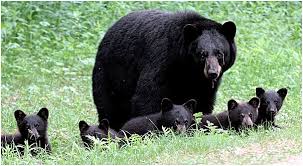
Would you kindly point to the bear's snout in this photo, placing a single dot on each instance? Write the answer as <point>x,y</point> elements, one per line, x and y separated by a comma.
<point>180,128</point>
<point>33,134</point>
<point>212,68</point>
<point>272,110</point>
<point>247,122</point>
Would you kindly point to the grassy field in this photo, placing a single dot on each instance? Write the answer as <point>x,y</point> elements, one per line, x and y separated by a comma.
<point>47,55</point>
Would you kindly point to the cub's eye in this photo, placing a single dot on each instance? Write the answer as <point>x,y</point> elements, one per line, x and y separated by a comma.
<point>242,115</point>
<point>276,102</point>
<point>186,121</point>
<point>36,125</point>
<point>250,114</point>
<point>177,122</point>
<point>28,126</point>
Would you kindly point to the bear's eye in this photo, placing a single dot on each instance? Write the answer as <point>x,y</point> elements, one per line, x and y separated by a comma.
<point>28,126</point>
<point>242,115</point>
<point>186,121</point>
<point>220,55</point>
<point>276,102</point>
<point>36,125</point>
<point>177,122</point>
<point>250,114</point>
<point>203,54</point>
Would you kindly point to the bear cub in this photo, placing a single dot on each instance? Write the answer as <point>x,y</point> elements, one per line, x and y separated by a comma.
<point>271,103</point>
<point>178,117</point>
<point>238,116</point>
<point>32,128</point>
<point>98,131</point>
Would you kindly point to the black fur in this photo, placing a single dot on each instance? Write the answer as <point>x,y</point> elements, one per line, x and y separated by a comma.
<point>98,131</point>
<point>271,103</point>
<point>149,55</point>
<point>239,115</point>
<point>178,117</point>
<point>32,128</point>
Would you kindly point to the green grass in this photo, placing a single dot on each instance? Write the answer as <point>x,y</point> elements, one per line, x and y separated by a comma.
<point>48,51</point>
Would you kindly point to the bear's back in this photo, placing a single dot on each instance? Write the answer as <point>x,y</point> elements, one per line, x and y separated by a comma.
<point>148,36</point>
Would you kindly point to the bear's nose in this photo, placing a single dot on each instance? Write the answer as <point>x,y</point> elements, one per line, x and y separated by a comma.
<point>212,75</point>
<point>272,110</point>
<point>248,125</point>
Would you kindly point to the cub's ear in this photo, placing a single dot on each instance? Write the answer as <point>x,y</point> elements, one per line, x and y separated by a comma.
<point>190,32</point>
<point>232,104</point>
<point>104,125</point>
<point>166,105</point>
<point>259,91</point>
<point>254,102</point>
<point>190,105</point>
<point>43,113</point>
<point>83,125</point>
<point>19,115</point>
<point>282,93</point>
<point>229,30</point>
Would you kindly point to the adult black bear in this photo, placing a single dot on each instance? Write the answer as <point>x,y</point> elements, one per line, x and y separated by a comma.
<point>149,55</point>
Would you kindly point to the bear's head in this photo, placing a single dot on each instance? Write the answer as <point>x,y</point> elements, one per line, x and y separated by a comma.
<point>97,131</point>
<point>212,47</point>
<point>179,117</point>
<point>244,114</point>
<point>32,127</point>
<point>270,101</point>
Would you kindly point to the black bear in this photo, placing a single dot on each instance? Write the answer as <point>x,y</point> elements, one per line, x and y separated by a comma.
<point>148,55</point>
<point>271,103</point>
<point>178,117</point>
<point>97,131</point>
<point>238,116</point>
<point>32,128</point>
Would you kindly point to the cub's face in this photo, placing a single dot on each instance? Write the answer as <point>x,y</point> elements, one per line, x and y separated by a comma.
<point>271,101</point>
<point>96,131</point>
<point>243,115</point>
<point>210,49</point>
<point>179,117</point>
<point>32,127</point>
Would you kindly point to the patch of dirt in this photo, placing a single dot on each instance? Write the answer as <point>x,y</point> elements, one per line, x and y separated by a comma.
<point>269,152</point>
<point>292,160</point>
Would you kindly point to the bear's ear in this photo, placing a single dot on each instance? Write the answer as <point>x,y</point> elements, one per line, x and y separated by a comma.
<point>190,32</point>
<point>254,102</point>
<point>229,30</point>
<point>104,125</point>
<point>282,93</point>
<point>83,125</point>
<point>166,105</point>
<point>19,115</point>
<point>259,91</point>
<point>232,104</point>
<point>190,105</point>
<point>43,113</point>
